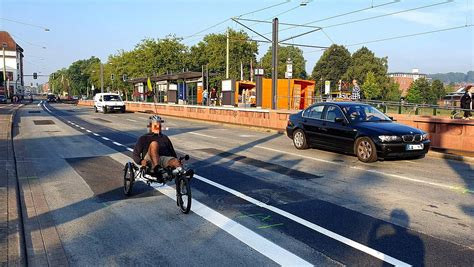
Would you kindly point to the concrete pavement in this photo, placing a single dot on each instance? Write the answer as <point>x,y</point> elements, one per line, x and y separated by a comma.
<point>11,245</point>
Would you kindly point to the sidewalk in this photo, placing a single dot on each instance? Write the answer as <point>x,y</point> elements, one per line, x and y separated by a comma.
<point>11,252</point>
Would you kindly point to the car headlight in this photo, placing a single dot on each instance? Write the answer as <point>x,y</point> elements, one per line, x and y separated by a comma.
<point>425,137</point>
<point>389,138</point>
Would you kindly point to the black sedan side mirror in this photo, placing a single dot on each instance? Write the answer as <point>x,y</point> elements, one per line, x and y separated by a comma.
<point>391,118</point>
<point>339,120</point>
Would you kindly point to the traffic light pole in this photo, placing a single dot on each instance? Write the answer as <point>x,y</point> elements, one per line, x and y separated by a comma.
<point>275,63</point>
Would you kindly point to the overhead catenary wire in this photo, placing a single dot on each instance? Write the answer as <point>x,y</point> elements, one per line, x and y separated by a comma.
<point>30,43</point>
<point>340,15</point>
<point>241,15</point>
<point>28,24</point>
<point>397,37</point>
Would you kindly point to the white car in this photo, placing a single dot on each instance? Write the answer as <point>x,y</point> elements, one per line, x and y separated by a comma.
<point>108,102</point>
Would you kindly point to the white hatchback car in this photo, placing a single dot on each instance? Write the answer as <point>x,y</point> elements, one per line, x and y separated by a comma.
<point>108,102</point>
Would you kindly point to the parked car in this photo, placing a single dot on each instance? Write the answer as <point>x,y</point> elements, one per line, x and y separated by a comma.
<point>51,98</point>
<point>3,99</point>
<point>355,128</point>
<point>108,102</point>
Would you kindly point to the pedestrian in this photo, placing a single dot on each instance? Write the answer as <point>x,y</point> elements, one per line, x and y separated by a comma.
<point>213,96</point>
<point>466,103</point>
<point>355,96</point>
<point>205,95</point>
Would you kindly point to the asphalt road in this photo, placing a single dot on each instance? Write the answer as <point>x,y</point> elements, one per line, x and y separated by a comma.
<point>256,199</point>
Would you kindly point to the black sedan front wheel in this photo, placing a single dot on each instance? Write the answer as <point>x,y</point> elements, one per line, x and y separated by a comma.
<point>365,150</point>
<point>299,139</point>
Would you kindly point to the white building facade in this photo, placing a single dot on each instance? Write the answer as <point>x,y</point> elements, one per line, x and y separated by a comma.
<point>12,59</point>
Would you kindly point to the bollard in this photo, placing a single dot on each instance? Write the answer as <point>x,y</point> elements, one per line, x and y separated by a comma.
<point>434,112</point>
<point>416,110</point>
<point>384,108</point>
<point>400,109</point>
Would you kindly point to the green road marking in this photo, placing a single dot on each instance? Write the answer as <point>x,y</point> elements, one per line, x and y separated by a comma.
<point>27,177</point>
<point>269,226</point>
<point>266,218</point>
<point>250,215</point>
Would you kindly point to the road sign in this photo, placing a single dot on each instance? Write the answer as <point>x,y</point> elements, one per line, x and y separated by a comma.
<point>327,87</point>
<point>288,75</point>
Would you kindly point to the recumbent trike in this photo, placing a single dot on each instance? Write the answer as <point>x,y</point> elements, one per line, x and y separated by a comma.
<point>181,175</point>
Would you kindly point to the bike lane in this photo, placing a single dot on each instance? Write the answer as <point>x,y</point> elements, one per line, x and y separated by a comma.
<point>389,239</point>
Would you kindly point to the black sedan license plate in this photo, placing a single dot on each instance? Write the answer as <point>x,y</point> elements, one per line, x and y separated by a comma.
<point>414,147</point>
<point>117,108</point>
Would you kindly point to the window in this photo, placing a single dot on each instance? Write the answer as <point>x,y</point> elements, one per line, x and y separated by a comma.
<point>333,112</point>
<point>314,112</point>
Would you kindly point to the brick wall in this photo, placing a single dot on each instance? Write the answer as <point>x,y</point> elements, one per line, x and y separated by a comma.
<point>445,133</point>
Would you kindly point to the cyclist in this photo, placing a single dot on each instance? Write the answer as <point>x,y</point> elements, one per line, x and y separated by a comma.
<point>154,149</point>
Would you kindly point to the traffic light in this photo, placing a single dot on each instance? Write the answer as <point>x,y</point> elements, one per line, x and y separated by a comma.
<point>35,75</point>
<point>112,77</point>
<point>124,77</point>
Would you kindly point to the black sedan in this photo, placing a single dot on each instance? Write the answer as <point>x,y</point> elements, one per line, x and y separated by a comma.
<point>355,128</point>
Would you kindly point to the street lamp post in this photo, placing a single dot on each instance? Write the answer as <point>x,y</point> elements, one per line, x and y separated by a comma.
<point>4,45</point>
<point>289,75</point>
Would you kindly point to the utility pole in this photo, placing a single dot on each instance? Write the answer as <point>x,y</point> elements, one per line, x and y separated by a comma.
<point>274,63</point>
<point>101,77</point>
<point>227,57</point>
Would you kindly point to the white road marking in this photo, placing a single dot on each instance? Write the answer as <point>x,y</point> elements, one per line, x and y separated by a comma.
<point>89,131</point>
<point>131,120</point>
<point>246,135</point>
<point>77,125</point>
<point>117,144</point>
<point>105,138</point>
<point>264,246</point>
<point>44,105</point>
<point>129,149</point>
<point>451,187</point>
<point>205,135</point>
<point>82,128</point>
<point>96,134</point>
<point>317,228</point>
<point>259,243</point>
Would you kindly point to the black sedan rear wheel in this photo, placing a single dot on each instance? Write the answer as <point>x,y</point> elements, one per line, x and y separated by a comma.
<point>365,150</point>
<point>299,139</point>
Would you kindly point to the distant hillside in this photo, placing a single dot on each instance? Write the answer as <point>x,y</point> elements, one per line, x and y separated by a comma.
<point>454,77</point>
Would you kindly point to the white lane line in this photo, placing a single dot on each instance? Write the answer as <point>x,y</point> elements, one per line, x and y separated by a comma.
<point>44,105</point>
<point>129,149</point>
<point>451,187</point>
<point>246,135</point>
<point>105,138</point>
<point>317,228</point>
<point>77,125</point>
<point>243,233</point>
<point>205,135</point>
<point>96,134</point>
<point>117,144</point>
<point>89,131</point>
<point>82,128</point>
<point>131,120</point>
<point>264,246</point>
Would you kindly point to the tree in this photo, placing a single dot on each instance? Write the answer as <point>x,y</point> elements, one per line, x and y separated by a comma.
<point>364,61</point>
<point>212,51</point>
<point>370,87</point>
<point>391,92</point>
<point>285,52</point>
<point>332,65</point>
<point>419,92</point>
<point>437,89</point>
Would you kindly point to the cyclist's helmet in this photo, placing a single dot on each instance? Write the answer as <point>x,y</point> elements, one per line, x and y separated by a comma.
<point>155,118</point>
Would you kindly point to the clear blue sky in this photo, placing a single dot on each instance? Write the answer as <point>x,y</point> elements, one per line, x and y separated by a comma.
<point>81,29</point>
